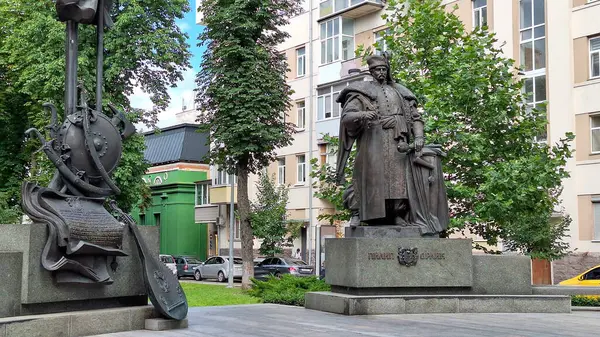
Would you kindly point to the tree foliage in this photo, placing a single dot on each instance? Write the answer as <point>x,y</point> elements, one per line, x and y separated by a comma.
<point>502,184</point>
<point>268,216</point>
<point>243,94</point>
<point>144,48</point>
<point>326,186</point>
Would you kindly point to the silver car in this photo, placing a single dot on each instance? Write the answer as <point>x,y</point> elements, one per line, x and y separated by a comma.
<point>217,267</point>
<point>169,261</point>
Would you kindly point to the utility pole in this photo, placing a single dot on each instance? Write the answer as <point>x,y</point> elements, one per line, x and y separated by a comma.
<point>231,230</point>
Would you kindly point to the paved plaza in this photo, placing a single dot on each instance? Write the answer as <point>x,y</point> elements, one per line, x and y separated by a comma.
<point>275,320</point>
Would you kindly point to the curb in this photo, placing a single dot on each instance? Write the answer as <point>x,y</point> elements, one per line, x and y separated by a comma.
<point>585,309</point>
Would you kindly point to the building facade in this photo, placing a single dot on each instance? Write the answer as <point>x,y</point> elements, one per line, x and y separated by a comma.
<point>556,42</point>
<point>176,155</point>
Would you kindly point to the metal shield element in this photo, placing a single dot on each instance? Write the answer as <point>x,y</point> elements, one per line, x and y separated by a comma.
<point>106,140</point>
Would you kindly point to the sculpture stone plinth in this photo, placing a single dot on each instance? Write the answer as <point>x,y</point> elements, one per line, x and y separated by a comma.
<point>372,275</point>
<point>30,289</point>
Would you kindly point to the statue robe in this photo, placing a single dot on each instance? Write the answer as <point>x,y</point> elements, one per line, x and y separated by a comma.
<point>379,169</point>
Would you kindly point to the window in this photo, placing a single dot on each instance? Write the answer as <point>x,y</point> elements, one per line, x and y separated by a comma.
<point>221,177</point>
<point>300,62</point>
<point>142,219</point>
<point>237,232</point>
<point>301,111</point>
<point>595,57</point>
<point>533,54</point>
<point>337,40</point>
<point>328,155</point>
<point>381,44</point>
<point>479,13</point>
<point>327,107</point>
<point>535,90</point>
<point>331,155</point>
<point>157,219</point>
<point>595,133</point>
<point>533,35</point>
<point>281,171</point>
<point>593,274</point>
<point>301,179</point>
<point>202,194</point>
<point>596,205</point>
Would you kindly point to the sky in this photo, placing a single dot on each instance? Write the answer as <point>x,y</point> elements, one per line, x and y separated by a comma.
<point>183,93</point>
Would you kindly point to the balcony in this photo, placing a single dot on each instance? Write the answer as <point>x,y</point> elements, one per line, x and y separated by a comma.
<point>355,65</point>
<point>222,195</point>
<point>348,8</point>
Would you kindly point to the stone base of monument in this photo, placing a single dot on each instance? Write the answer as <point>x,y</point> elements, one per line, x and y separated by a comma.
<point>77,323</point>
<point>440,304</point>
<point>28,291</point>
<point>374,275</point>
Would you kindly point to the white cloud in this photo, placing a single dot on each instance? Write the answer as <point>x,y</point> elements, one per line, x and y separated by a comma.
<point>184,26</point>
<point>182,95</point>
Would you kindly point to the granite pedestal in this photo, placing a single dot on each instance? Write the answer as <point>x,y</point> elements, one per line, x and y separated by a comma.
<point>26,288</point>
<point>395,275</point>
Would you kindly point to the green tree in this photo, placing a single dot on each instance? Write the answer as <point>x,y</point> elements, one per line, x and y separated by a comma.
<point>325,183</point>
<point>268,215</point>
<point>502,184</point>
<point>144,48</point>
<point>243,93</point>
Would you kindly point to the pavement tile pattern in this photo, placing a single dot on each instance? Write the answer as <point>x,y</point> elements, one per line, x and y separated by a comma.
<point>262,320</point>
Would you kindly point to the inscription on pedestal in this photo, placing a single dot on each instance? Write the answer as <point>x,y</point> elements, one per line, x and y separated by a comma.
<point>402,262</point>
<point>403,252</point>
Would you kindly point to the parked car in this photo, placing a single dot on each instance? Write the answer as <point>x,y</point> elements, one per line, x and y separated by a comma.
<point>277,266</point>
<point>186,265</point>
<point>589,278</point>
<point>169,261</point>
<point>217,267</point>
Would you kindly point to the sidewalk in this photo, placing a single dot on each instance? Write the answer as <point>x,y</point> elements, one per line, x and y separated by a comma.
<point>267,320</point>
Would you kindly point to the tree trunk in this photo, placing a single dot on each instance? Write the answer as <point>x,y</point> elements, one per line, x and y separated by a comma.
<point>243,203</point>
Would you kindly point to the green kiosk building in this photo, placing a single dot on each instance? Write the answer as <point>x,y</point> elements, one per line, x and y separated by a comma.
<point>176,154</point>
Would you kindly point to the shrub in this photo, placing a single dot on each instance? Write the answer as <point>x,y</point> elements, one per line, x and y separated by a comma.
<point>585,301</point>
<point>288,289</point>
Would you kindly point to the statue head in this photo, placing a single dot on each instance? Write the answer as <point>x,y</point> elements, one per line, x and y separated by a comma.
<point>379,68</point>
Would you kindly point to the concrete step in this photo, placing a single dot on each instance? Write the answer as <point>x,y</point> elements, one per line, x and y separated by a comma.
<point>424,304</point>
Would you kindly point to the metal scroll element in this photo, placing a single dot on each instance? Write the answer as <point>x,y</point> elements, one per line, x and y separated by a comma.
<point>158,279</point>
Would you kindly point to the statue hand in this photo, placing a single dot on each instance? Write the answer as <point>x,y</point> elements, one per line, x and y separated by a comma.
<point>370,115</point>
<point>419,143</point>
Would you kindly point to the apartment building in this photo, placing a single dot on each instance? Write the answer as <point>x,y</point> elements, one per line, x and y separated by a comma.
<point>557,42</point>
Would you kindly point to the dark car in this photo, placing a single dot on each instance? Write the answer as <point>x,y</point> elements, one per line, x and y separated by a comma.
<point>278,266</point>
<point>186,265</point>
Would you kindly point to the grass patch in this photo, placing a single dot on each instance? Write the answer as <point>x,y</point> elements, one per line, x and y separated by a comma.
<point>206,295</point>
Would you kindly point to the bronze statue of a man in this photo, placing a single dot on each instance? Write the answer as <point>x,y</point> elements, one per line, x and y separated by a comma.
<point>397,180</point>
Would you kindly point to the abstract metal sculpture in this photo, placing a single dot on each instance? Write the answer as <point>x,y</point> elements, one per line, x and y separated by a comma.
<point>84,239</point>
